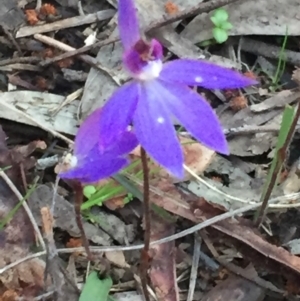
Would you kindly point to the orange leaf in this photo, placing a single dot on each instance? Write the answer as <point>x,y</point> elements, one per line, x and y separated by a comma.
<point>31,16</point>
<point>171,8</point>
<point>250,75</point>
<point>9,295</point>
<point>65,63</point>
<point>238,103</point>
<point>48,9</point>
<point>74,243</point>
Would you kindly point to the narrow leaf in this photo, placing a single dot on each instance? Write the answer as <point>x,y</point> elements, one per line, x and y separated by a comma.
<point>277,162</point>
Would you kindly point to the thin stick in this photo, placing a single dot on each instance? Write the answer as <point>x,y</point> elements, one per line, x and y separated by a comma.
<point>78,51</point>
<point>194,269</point>
<point>84,57</point>
<point>282,156</point>
<point>147,223</point>
<point>25,206</point>
<point>78,201</point>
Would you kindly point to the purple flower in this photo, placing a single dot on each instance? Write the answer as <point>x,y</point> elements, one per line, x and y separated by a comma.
<point>91,160</point>
<point>159,91</point>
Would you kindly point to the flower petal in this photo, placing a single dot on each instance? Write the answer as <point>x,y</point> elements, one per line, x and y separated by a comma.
<point>117,113</point>
<point>126,142</point>
<point>195,114</point>
<point>88,134</point>
<point>128,23</point>
<point>155,131</point>
<point>204,74</point>
<point>95,166</point>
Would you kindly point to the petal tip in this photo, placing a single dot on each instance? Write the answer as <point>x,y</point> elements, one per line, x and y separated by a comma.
<point>128,23</point>
<point>251,82</point>
<point>222,146</point>
<point>177,172</point>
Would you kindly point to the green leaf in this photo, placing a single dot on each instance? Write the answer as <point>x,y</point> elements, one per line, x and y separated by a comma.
<point>281,63</point>
<point>96,289</point>
<point>220,16</point>
<point>287,120</point>
<point>220,35</point>
<point>226,26</point>
<point>207,43</point>
<point>214,20</point>
<point>89,190</point>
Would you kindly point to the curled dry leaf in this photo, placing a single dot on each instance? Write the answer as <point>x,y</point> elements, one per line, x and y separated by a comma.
<point>9,295</point>
<point>48,9</point>
<point>31,16</point>
<point>65,63</point>
<point>238,103</point>
<point>171,8</point>
<point>74,243</point>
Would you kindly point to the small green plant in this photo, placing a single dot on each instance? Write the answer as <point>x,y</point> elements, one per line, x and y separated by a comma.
<point>128,198</point>
<point>274,77</point>
<point>6,219</point>
<point>96,196</point>
<point>95,288</point>
<point>284,138</point>
<point>281,64</point>
<point>89,190</point>
<point>222,25</point>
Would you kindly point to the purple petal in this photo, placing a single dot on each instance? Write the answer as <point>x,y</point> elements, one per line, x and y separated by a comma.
<point>128,23</point>
<point>204,74</point>
<point>94,167</point>
<point>87,134</point>
<point>117,113</point>
<point>195,114</point>
<point>126,142</point>
<point>155,131</point>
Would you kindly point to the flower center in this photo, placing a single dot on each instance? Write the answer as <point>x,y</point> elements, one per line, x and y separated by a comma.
<point>143,61</point>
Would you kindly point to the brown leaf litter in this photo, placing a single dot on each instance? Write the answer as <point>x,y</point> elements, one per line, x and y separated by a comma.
<point>17,237</point>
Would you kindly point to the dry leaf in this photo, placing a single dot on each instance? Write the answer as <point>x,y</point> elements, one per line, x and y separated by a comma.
<point>9,295</point>
<point>117,258</point>
<point>31,16</point>
<point>196,156</point>
<point>171,8</point>
<point>74,243</point>
<point>238,103</point>
<point>65,63</point>
<point>162,270</point>
<point>48,9</point>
